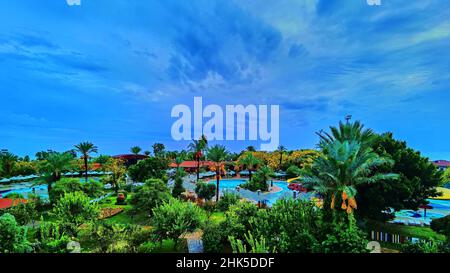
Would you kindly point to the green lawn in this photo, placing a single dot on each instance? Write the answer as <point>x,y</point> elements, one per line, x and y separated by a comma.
<point>124,217</point>
<point>409,231</point>
<point>217,217</point>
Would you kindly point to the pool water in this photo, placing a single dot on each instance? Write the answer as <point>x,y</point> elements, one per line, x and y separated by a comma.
<point>270,198</point>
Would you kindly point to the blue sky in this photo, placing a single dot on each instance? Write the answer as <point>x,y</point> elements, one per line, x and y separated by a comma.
<point>111,71</point>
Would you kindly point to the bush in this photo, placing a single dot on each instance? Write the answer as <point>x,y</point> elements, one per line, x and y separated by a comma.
<point>290,226</point>
<point>228,199</point>
<point>74,209</point>
<point>147,197</point>
<point>238,219</point>
<point>423,246</point>
<point>346,238</point>
<point>213,238</point>
<point>13,237</point>
<point>24,213</point>
<point>175,218</point>
<point>255,184</point>
<point>442,226</point>
<point>93,189</point>
<point>51,238</point>
<point>205,190</point>
<point>63,186</point>
<point>293,171</point>
<point>178,188</point>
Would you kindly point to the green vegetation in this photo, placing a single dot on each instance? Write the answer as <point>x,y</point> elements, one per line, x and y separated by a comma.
<point>356,175</point>
<point>173,219</point>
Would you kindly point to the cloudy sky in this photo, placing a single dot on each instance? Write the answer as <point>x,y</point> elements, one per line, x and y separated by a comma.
<point>110,71</point>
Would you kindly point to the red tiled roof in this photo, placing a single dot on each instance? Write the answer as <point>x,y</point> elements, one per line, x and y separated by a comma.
<point>191,164</point>
<point>442,163</point>
<point>9,202</point>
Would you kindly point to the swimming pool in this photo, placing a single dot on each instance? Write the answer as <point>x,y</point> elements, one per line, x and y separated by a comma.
<point>270,198</point>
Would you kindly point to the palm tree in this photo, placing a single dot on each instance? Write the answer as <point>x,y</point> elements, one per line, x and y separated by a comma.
<point>85,148</point>
<point>147,153</point>
<point>218,154</point>
<point>347,132</point>
<point>198,147</point>
<point>7,160</point>
<point>250,162</point>
<point>265,173</point>
<point>178,161</point>
<point>54,165</point>
<point>281,149</point>
<point>345,165</point>
<point>136,150</point>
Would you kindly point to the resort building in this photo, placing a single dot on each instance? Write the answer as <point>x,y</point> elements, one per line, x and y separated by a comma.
<point>130,159</point>
<point>442,164</point>
<point>191,166</point>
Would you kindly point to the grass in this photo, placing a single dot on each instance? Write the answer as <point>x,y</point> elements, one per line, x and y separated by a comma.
<point>217,217</point>
<point>409,231</point>
<point>124,217</point>
<point>168,246</point>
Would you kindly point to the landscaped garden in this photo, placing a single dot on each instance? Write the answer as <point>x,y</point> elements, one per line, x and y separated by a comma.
<point>351,190</point>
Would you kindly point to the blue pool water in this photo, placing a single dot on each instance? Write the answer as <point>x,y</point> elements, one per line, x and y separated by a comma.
<point>270,198</point>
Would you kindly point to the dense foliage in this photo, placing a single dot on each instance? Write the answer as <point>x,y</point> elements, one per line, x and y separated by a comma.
<point>174,218</point>
<point>150,168</point>
<point>418,178</point>
<point>147,197</point>
<point>205,190</point>
<point>13,237</point>
<point>74,209</point>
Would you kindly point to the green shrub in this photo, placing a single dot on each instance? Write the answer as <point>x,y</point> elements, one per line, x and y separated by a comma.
<point>228,199</point>
<point>213,238</point>
<point>74,209</point>
<point>51,238</point>
<point>13,238</point>
<point>93,189</point>
<point>64,185</point>
<point>442,226</point>
<point>345,238</point>
<point>178,188</point>
<point>290,226</point>
<point>24,213</point>
<point>175,218</point>
<point>147,197</point>
<point>205,190</point>
<point>425,246</point>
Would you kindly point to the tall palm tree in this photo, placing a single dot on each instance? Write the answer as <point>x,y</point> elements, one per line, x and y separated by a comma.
<point>135,150</point>
<point>336,173</point>
<point>347,132</point>
<point>281,149</point>
<point>54,165</point>
<point>198,147</point>
<point>7,161</point>
<point>250,162</point>
<point>218,154</point>
<point>85,148</point>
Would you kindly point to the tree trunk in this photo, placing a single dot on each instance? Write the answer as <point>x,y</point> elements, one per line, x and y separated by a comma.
<point>249,175</point>
<point>198,169</point>
<point>86,168</point>
<point>217,186</point>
